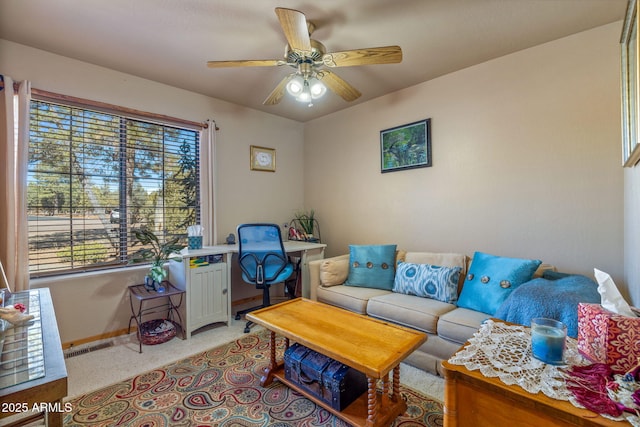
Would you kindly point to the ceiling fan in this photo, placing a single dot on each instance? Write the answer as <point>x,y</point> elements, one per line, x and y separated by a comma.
<point>309,58</point>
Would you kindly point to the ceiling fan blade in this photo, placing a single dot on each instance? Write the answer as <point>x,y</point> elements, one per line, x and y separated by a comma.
<point>338,85</point>
<point>276,94</point>
<point>246,63</point>
<point>373,55</point>
<point>294,25</point>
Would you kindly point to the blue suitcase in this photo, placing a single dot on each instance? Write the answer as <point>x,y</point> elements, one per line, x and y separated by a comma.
<point>329,380</point>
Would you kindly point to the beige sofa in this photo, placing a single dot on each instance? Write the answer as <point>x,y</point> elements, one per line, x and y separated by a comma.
<point>448,327</point>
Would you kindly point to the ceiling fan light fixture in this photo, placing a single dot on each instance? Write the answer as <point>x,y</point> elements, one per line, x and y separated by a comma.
<point>306,56</point>
<point>305,95</point>
<point>316,88</point>
<point>295,86</point>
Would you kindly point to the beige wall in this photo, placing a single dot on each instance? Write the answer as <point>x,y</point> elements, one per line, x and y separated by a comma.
<point>526,161</point>
<point>89,305</point>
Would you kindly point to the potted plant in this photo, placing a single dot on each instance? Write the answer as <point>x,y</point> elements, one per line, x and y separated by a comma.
<point>306,221</point>
<point>157,253</point>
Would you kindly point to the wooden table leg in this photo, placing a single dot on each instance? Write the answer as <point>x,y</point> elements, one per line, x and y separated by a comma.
<point>372,402</point>
<point>267,376</point>
<point>395,397</point>
<point>385,397</point>
<point>450,407</point>
<point>54,419</point>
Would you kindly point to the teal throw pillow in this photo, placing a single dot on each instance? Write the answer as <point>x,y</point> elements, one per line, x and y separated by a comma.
<point>426,280</point>
<point>371,266</point>
<point>491,279</point>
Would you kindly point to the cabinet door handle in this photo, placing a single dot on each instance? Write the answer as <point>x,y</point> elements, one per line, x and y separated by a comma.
<point>224,292</point>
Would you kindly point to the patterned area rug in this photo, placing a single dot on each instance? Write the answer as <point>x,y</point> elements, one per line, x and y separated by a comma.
<point>220,387</point>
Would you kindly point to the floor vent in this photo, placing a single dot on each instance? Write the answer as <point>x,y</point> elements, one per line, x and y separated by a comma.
<point>78,352</point>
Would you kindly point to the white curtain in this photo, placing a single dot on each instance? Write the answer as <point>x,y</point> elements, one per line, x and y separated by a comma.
<point>208,183</point>
<point>14,249</point>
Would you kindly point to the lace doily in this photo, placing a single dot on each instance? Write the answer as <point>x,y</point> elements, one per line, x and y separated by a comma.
<point>504,351</point>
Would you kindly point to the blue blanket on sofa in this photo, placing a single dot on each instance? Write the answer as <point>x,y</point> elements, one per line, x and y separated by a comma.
<point>554,299</point>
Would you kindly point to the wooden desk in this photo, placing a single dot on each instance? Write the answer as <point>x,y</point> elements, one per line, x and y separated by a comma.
<point>33,375</point>
<point>368,345</point>
<point>309,251</point>
<point>474,400</point>
<point>208,293</point>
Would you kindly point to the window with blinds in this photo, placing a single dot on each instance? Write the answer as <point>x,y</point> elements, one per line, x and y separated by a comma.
<point>95,177</point>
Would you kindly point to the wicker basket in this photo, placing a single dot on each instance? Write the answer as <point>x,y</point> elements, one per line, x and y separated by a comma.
<point>157,331</point>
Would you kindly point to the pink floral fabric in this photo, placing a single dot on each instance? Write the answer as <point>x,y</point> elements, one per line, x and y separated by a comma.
<point>607,337</point>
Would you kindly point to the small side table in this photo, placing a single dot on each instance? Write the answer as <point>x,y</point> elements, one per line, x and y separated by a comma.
<point>490,382</point>
<point>142,295</point>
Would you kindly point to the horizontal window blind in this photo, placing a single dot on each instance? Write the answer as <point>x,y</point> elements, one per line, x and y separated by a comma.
<point>95,177</point>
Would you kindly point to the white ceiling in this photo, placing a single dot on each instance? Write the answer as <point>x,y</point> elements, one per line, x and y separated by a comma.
<point>170,41</point>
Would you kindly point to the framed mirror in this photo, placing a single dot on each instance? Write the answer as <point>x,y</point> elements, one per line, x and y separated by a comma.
<point>629,86</point>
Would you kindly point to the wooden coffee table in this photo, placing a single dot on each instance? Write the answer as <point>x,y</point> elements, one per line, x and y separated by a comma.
<point>368,345</point>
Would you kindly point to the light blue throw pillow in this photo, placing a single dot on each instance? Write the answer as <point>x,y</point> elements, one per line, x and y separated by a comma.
<point>371,266</point>
<point>491,279</point>
<point>426,280</point>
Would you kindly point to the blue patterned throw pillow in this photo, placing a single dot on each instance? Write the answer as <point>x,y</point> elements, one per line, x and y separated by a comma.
<point>430,281</point>
<point>491,279</point>
<point>371,266</point>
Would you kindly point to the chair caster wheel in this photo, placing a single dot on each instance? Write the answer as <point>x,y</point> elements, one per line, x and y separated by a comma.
<point>247,330</point>
<point>238,317</point>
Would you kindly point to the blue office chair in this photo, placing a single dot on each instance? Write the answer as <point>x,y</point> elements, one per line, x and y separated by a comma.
<point>262,259</point>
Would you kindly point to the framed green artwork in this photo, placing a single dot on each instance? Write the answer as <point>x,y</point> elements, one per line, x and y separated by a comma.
<point>406,147</point>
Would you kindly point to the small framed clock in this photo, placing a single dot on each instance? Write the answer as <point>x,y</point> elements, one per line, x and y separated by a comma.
<point>263,159</point>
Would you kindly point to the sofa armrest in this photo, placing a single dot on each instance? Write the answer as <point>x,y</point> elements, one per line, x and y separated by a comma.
<point>314,273</point>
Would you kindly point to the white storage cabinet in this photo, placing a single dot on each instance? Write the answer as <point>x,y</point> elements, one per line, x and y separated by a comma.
<point>207,290</point>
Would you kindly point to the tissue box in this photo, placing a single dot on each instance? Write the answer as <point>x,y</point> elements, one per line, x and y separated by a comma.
<point>194,242</point>
<point>607,337</point>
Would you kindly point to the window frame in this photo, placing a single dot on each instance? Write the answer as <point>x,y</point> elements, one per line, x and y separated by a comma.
<point>127,115</point>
